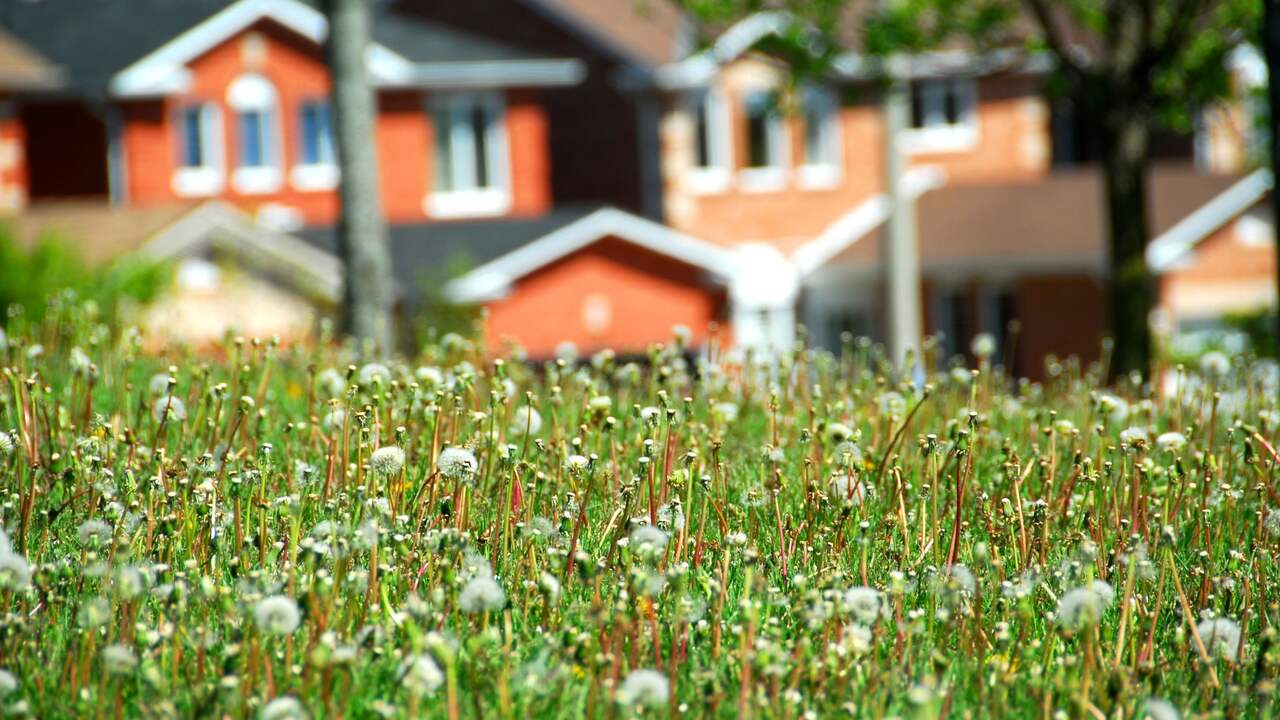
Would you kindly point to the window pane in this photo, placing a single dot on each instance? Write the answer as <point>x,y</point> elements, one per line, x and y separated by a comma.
<point>444,151</point>
<point>702,131</point>
<point>480,141</point>
<point>192,138</point>
<point>759,150</point>
<point>252,152</point>
<point>317,140</point>
<point>917,105</point>
<point>951,104</point>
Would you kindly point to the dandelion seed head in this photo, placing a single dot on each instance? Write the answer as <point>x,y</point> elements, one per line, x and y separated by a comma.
<point>387,461</point>
<point>644,688</point>
<point>481,594</point>
<point>421,676</point>
<point>457,463</point>
<point>277,615</point>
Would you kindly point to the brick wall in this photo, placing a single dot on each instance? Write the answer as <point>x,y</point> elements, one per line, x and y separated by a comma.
<point>297,69</point>
<point>610,294</point>
<point>1013,142</point>
<point>1232,270</point>
<point>13,159</point>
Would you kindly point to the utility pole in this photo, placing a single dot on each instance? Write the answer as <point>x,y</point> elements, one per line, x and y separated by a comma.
<point>362,232</point>
<point>899,252</point>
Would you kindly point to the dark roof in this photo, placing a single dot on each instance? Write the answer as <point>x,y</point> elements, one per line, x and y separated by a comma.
<point>1057,222</point>
<point>437,251</point>
<point>95,39</point>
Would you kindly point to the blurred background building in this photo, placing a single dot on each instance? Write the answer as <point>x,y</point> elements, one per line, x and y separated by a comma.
<point>595,171</point>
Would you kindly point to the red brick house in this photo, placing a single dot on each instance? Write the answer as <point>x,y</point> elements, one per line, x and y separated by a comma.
<point>607,173</point>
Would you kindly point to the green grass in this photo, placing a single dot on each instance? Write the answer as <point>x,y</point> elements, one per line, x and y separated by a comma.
<point>253,557</point>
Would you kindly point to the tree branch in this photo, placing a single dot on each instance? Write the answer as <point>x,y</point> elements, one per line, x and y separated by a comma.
<point>1054,37</point>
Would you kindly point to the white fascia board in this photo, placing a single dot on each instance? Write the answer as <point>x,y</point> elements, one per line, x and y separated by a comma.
<point>215,222</point>
<point>163,70</point>
<point>495,278</point>
<point>483,74</point>
<point>700,68</point>
<point>854,66</point>
<point>1165,251</point>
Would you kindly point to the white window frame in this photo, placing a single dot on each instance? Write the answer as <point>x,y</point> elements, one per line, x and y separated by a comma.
<point>771,177</point>
<point>937,135</point>
<point>255,93</point>
<point>826,172</point>
<point>473,201</point>
<point>316,175</point>
<point>713,177</point>
<point>208,177</point>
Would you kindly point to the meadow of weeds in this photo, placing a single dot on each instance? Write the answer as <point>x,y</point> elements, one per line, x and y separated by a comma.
<point>305,532</point>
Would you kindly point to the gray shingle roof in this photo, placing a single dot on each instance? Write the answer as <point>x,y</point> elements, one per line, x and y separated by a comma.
<point>422,252</point>
<point>95,39</point>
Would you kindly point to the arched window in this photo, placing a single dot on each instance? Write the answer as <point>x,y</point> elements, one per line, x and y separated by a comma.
<point>255,104</point>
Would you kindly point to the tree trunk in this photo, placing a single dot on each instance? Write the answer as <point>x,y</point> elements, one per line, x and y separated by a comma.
<point>1271,48</point>
<point>362,233</point>
<point>1125,140</point>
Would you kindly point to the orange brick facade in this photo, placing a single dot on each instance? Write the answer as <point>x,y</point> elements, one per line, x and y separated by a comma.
<point>296,68</point>
<point>13,159</point>
<point>1233,270</point>
<point>1013,142</point>
<point>611,294</point>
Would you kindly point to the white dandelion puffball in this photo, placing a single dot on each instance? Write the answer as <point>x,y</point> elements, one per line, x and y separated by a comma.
<point>387,460</point>
<point>457,463</point>
<point>429,377</point>
<point>567,352</point>
<point>1272,523</point>
<point>283,708</point>
<point>119,659</point>
<point>525,420</point>
<point>277,615</point>
<point>726,411</point>
<point>860,603</point>
<point>600,403</point>
<point>839,432</point>
<point>983,345</point>
<point>169,407</point>
<point>648,538</point>
<point>422,676</point>
<point>331,382</point>
<point>15,573</point>
<point>1157,709</point>
<point>334,420</point>
<point>374,372</point>
<point>1215,364</point>
<point>1221,637</point>
<point>1134,435</point>
<point>648,688</point>
<point>8,683</point>
<point>576,463</point>
<point>1115,407</point>
<point>6,444</point>
<point>482,594</point>
<point>158,385</point>
<point>1082,607</point>
<point>1171,441</point>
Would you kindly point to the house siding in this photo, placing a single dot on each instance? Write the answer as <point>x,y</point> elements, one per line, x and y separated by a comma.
<point>1012,143</point>
<point>611,294</point>
<point>296,68</point>
<point>13,159</point>
<point>1226,272</point>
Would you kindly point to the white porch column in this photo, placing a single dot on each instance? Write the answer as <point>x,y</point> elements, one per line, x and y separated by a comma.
<point>763,291</point>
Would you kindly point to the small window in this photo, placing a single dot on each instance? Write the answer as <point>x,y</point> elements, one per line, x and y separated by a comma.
<point>711,141</point>
<point>199,151</point>
<point>253,99</point>
<point>317,134</point>
<point>470,155</point>
<point>198,125</point>
<point>821,117</point>
<point>943,115</point>
<point>766,146</point>
<point>764,130</point>
<point>944,102</point>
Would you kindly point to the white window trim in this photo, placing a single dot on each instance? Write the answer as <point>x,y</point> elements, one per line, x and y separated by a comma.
<point>945,137</point>
<point>768,178</point>
<point>474,202</point>
<point>318,176</point>
<point>713,178</point>
<point>827,174</point>
<point>254,92</point>
<point>313,176</point>
<point>209,177</point>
